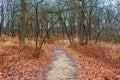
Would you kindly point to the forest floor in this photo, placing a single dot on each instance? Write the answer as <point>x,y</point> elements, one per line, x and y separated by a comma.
<point>58,61</point>
<point>90,64</point>
<point>18,64</point>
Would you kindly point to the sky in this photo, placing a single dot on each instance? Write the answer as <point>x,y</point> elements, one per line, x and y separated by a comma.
<point>113,1</point>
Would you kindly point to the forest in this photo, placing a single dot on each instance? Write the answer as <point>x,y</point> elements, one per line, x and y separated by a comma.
<point>59,39</point>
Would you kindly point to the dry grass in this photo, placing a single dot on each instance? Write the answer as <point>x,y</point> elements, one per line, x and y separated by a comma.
<point>96,60</point>
<point>108,53</point>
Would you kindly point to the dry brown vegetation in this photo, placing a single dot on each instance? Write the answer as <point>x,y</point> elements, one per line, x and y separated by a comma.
<point>109,53</point>
<point>101,60</point>
<point>94,61</point>
<point>17,63</point>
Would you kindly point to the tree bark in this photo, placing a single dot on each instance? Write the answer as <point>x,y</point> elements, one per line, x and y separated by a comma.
<point>23,24</point>
<point>36,55</point>
<point>81,25</point>
<point>2,18</point>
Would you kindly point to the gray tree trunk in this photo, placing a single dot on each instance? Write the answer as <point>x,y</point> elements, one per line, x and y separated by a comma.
<point>2,18</point>
<point>23,24</point>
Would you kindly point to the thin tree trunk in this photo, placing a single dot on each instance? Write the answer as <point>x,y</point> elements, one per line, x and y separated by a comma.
<point>0,30</point>
<point>114,38</point>
<point>97,38</point>
<point>23,24</point>
<point>71,30</point>
<point>2,18</point>
<point>81,26</point>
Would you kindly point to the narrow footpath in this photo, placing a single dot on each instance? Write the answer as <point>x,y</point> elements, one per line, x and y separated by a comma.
<point>62,66</point>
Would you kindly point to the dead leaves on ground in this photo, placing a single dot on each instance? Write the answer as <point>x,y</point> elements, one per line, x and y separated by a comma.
<point>17,63</point>
<point>94,61</point>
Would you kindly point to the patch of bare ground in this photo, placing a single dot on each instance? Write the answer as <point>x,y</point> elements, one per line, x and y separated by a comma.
<point>96,61</point>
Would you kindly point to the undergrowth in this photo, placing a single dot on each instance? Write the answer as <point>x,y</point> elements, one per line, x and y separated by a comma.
<point>108,53</point>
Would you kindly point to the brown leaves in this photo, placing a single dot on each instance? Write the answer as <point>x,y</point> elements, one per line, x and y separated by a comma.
<point>18,62</point>
<point>92,61</point>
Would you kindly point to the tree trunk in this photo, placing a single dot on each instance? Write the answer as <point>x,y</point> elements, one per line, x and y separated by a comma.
<point>36,54</point>
<point>81,26</point>
<point>114,37</point>
<point>2,18</point>
<point>97,38</point>
<point>71,30</point>
<point>81,33</point>
<point>23,24</point>
<point>13,20</point>
<point>0,30</point>
<point>81,29</point>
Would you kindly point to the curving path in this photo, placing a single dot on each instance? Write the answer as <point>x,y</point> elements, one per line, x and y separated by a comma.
<point>62,66</point>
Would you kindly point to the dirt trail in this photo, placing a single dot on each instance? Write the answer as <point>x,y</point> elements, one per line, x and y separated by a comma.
<point>62,66</point>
